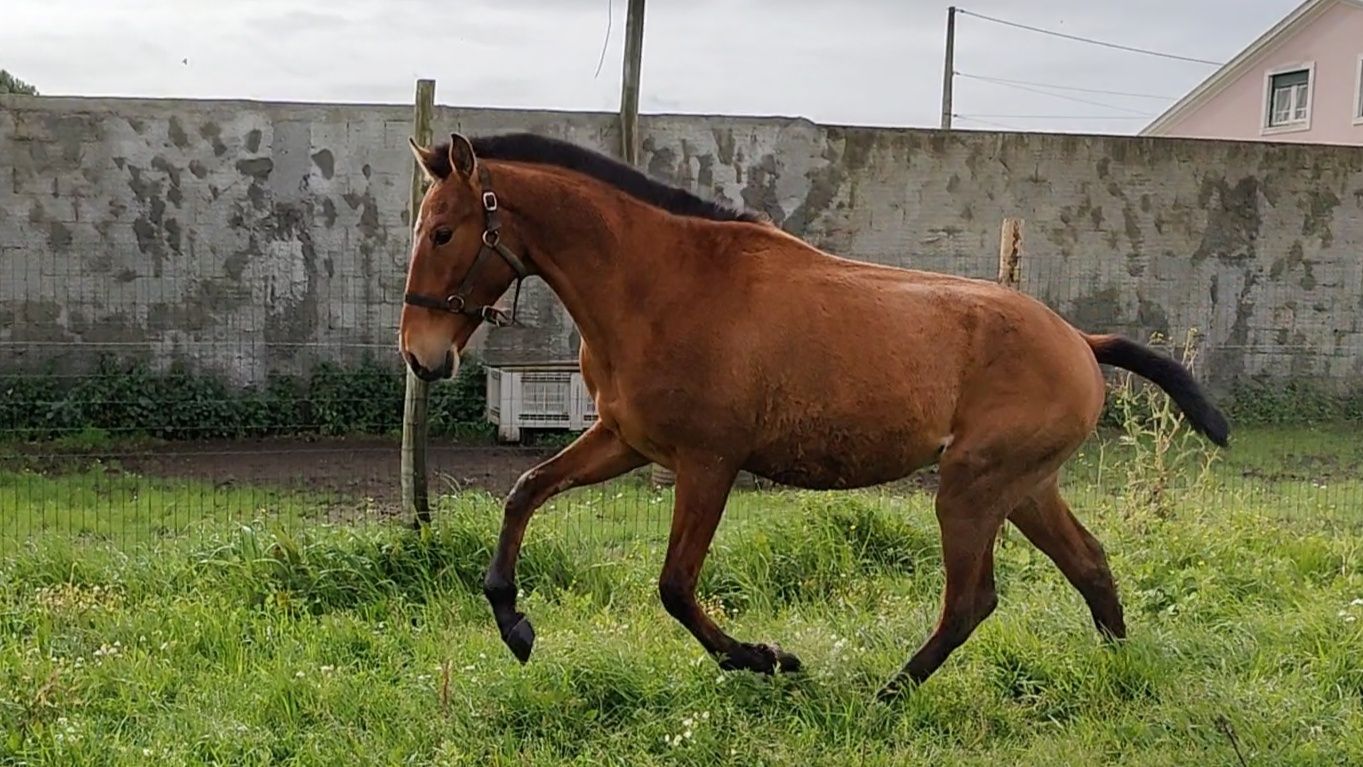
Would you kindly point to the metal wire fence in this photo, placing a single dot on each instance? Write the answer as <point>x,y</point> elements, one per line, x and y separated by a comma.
<point>98,445</point>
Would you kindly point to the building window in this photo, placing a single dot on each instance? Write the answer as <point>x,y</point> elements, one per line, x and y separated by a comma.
<point>1288,94</point>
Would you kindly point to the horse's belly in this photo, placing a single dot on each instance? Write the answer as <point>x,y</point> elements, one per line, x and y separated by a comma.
<point>839,458</point>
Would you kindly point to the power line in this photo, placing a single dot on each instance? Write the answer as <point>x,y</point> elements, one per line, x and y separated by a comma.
<point>1075,99</point>
<point>1069,117</point>
<point>610,17</point>
<point>1005,126</point>
<point>1090,40</point>
<point>1006,81</point>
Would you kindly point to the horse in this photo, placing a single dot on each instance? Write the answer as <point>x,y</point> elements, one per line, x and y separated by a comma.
<point>712,341</point>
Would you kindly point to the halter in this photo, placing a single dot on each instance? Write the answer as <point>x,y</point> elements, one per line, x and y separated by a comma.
<point>457,302</point>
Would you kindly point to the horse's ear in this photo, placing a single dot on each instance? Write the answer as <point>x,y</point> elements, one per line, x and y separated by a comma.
<point>432,165</point>
<point>462,158</point>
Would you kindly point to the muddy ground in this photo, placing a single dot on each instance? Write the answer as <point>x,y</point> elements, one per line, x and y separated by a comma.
<point>357,469</point>
<point>346,470</point>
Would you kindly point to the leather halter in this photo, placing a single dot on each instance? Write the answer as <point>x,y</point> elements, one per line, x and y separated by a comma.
<point>457,302</point>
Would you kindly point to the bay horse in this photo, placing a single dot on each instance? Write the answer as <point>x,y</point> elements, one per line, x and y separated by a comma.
<point>713,342</point>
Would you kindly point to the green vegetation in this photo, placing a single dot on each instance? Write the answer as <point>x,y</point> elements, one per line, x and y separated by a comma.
<point>11,84</point>
<point>130,400</point>
<point>261,640</point>
<point>372,645</point>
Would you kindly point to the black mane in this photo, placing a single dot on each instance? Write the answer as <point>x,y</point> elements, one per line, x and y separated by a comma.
<point>529,147</point>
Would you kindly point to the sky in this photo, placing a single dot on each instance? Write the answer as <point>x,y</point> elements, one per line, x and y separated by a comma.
<point>855,62</point>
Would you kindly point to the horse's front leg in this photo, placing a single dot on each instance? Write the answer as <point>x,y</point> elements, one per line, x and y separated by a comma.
<point>702,489</point>
<point>595,456</point>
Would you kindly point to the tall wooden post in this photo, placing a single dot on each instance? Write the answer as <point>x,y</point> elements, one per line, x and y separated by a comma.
<point>1010,252</point>
<point>629,126</point>
<point>1010,276</point>
<point>629,85</point>
<point>949,68</point>
<point>415,487</point>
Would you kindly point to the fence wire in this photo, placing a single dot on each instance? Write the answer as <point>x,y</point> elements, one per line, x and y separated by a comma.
<point>103,441</point>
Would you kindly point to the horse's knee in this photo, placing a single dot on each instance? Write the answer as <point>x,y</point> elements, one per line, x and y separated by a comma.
<point>675,595</point>
<point>523,492</point>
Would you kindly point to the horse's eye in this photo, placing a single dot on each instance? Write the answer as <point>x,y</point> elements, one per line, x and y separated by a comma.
<point>441,236</point>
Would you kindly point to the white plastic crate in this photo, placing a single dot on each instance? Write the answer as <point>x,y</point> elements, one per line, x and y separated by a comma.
<point>542,399</point>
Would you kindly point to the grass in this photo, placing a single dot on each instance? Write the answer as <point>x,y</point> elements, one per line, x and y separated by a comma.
<point>271,642</point>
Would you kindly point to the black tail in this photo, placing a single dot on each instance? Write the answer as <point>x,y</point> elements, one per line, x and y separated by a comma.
<point>1166,373</point>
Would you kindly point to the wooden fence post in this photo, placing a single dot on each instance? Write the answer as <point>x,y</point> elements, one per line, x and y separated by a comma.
<point>629,129</point>
<point>1010,276</point>
<point>629,82</point>
<point>1010,253</point>
<point>415,487</point>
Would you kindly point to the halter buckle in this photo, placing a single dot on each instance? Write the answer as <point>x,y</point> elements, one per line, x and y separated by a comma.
<point>496,317</point>
<point>489,201</point>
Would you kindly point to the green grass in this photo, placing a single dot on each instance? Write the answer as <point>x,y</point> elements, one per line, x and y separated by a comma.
<point>229,626</point>
<point>276,643</point>
<point>103,504</point>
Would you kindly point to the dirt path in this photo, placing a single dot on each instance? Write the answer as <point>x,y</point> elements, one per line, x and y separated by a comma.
<point>358,468</point>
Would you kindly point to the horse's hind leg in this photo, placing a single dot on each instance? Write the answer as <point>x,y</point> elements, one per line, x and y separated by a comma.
<point>969,524</point>
<point>1045,519</point>
<point>702,489</point>
<point>982,481</point>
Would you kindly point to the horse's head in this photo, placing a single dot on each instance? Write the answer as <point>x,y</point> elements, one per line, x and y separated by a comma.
<point>459,265</point>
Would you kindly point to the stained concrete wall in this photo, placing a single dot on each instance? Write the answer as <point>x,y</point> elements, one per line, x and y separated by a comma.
<point>250,237</point>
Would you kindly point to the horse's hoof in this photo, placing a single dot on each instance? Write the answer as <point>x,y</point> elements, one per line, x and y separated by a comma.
<point>762,658</point>
<point>894,690</point>
<point>520,639</point>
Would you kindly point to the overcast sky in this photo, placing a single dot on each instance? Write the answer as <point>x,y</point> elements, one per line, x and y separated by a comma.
<point>860,62</point>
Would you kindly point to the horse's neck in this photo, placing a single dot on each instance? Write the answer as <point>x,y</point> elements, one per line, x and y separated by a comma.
<point>591,247</point>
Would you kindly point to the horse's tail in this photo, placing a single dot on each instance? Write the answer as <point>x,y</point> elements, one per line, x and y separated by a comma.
<point>1166,373</point>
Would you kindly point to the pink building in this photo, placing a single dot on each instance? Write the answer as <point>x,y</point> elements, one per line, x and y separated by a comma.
<point>1301,81</point>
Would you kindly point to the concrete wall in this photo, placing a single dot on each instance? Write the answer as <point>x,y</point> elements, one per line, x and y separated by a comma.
<point>251,237</point>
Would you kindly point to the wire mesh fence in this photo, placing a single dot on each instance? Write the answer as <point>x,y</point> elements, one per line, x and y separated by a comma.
<point>115,451</point>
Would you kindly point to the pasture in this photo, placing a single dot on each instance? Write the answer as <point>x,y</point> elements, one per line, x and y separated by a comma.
<point>273,638</point>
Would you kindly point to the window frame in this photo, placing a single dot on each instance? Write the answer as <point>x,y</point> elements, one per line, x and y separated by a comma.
<point>1266,114</point>
<point>1358,90</point>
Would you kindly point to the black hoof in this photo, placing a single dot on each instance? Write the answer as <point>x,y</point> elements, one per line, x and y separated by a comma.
<point>895,690</point>
<point>764,659</point>
<point>520,639</point>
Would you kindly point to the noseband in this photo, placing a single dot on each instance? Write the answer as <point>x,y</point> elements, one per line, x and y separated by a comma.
<point>457,302</point>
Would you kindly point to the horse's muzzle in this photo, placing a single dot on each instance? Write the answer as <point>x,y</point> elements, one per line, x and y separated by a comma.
<point>426,374</point>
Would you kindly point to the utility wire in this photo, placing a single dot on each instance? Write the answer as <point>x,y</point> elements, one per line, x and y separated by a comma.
<point>1006,81</point>
<point>1069,117</point>
<point>1146,51</point>
<point>1075,99</point>
<point>970,118</point>
<point>610,17</point>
